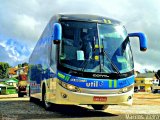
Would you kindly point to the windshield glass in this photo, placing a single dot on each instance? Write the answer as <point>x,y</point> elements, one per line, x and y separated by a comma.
<point>115,43</point>
<point>83,46</point>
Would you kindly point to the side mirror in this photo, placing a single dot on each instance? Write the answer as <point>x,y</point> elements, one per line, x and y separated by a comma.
<point>57,33</point>
<point>80,55</point>
<point>142,40</point>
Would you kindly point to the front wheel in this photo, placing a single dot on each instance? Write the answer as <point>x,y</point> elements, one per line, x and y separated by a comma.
<point>46,104</point>
<point>100,107</point>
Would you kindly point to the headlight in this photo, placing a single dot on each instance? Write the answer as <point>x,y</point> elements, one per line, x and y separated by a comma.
<point>69,86</point>
<point>126,89</point>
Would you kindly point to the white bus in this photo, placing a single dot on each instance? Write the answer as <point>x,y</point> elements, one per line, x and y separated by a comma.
<point>83,60</point>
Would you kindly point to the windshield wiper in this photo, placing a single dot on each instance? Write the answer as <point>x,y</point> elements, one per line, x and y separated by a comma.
<point>85,65</point>
<point>113,65</point>
<point>105,53</point>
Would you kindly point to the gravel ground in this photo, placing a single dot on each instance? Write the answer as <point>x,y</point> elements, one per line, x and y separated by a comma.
<point>26,110</point>
<point>143,103</point>
<point>145,106</point>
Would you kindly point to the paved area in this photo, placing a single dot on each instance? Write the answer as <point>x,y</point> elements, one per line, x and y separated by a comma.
<point>13,97</point>
<point>9,96</point>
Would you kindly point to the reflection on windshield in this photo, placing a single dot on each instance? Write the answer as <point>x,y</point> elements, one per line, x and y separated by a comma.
<point>81,47</point>
<point>79,36</point>
<point>116,43</point>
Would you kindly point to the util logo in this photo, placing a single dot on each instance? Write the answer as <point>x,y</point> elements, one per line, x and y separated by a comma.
<point>94,84</point>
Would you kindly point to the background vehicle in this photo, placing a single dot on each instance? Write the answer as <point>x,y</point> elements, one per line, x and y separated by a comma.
<point>22,85</point>
<point>83,59</point>
<point>156,85</point>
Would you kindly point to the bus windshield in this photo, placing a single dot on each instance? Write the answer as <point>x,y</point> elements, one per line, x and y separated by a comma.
<point>94,47</point>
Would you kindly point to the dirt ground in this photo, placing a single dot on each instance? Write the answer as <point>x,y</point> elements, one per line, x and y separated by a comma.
<point>146,99</point>
<point>145,106</point>
<point>143,103</point>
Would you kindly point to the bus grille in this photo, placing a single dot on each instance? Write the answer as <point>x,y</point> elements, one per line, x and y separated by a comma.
<point>99,91</point>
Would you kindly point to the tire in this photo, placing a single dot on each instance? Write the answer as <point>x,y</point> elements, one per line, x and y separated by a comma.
<point>31,99</point>
<point>45,104</point>
<point>20,95</point>
<point>29,92</point>
<point>155,91</point>
<point>100,107</point>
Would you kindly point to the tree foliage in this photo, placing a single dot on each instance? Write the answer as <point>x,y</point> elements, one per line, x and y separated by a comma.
<point>4,70</point>
<point>19,65</point>
<point>24,64</point>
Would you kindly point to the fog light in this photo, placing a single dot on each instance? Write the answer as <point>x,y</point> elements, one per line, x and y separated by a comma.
<point>130,97</point>
<point>64,95</point>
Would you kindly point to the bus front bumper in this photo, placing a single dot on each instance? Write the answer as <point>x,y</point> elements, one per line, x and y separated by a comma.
<point>64,96</point>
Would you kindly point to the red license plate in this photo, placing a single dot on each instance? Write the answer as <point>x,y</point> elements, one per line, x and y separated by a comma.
<point>99,99</point>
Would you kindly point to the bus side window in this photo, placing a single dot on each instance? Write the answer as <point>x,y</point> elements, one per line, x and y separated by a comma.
<point>69,49</point>
<point>53,56</point>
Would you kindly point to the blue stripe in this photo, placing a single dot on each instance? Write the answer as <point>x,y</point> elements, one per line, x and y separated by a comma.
<point>99,83</point>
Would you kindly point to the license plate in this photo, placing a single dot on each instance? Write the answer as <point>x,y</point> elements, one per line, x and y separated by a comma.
<point>99,99</point>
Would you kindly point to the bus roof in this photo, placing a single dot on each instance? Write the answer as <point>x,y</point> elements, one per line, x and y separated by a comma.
<point>88,18</point>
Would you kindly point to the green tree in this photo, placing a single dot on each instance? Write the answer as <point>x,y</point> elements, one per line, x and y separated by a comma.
<point>19,65</point>
<point>24,64</point>
<point>4,70</point>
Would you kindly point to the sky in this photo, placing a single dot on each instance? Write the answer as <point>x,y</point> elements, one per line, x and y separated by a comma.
<point>22,22</point>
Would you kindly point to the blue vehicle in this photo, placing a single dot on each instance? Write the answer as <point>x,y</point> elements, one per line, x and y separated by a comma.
<point>83,60</point>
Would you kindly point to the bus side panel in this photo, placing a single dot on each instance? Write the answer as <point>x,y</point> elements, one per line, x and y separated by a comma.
<point>51,81</point>
<point>41,67</point>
